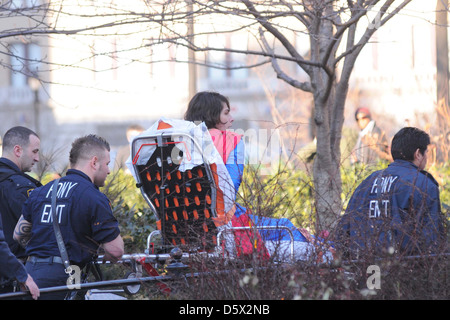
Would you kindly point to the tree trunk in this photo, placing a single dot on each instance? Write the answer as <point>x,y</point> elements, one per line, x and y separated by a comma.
<point>327,178</point>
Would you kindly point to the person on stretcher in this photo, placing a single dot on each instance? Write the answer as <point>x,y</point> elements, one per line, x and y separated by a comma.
<point>213,109</point>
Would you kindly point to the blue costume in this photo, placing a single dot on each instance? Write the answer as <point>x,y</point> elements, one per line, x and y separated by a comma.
<point>235,164</point>
<point>397,208</point>
<point>86,221</point>
<point>14,189</point>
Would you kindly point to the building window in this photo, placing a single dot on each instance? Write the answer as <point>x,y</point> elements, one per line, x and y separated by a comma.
<point>17,4</point>
<point>239,60</point>
<point>227,64</point>
<point>25,61</point>
<point>217,60</point>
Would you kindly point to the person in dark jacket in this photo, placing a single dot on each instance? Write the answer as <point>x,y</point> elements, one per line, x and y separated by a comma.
<point>13,269</point>
<point>20,152</point>
<point>396,210</point>
<point>84,215</point>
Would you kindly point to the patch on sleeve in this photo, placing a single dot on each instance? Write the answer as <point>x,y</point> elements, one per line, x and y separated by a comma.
<point>29,192</point>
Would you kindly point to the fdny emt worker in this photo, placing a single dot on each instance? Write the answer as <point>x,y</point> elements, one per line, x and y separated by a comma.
<point>396,210</point>
<point>20,153</point>
<point>84,214</point>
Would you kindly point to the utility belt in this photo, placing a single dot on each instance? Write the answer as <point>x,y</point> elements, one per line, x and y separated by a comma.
<point>49,260</point>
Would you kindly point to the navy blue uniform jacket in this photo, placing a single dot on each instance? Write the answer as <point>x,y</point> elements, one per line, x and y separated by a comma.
<point>14,189</point>
<point>398,209</point>
<point>84,214</point>
<point>10,267</point>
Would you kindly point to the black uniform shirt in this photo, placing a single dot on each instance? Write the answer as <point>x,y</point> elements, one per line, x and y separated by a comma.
<point>84,214</point>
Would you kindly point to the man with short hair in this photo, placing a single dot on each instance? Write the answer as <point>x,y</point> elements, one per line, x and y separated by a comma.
<point>396,209</point>
<point>20,152</point>
<point>84,215</point>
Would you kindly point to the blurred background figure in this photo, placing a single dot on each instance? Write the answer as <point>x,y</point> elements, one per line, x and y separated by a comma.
<point>372,144</point>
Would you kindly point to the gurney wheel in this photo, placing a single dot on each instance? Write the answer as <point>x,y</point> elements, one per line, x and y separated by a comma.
<point>131,289</point>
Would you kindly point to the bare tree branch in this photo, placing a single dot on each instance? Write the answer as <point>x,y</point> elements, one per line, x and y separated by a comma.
<point>305,86</point>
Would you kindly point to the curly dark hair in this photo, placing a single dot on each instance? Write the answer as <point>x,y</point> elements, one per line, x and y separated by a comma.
<point>206,106</point>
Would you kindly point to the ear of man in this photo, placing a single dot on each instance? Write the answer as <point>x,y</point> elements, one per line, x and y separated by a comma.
<point>420,159</point>
<point>417,154</point>
<point>17,150</point>
<point>94,162</point>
